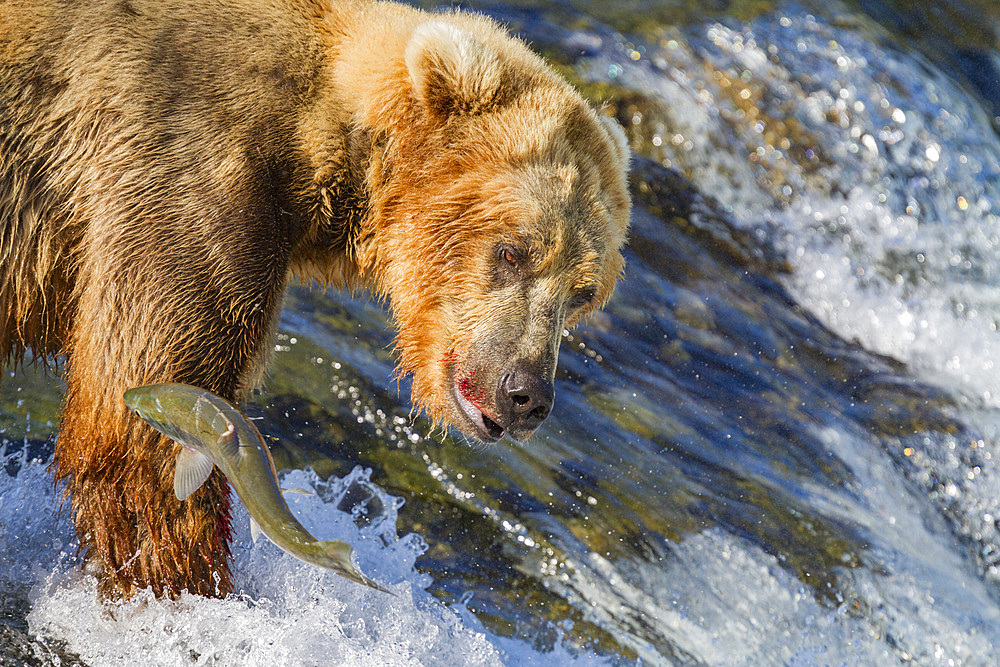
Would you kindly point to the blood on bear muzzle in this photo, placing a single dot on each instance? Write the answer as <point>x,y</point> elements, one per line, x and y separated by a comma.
<point>485,427</point>
<point>522,400</point>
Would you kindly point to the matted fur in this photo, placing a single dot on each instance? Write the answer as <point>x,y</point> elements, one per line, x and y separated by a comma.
<point>167,165</point>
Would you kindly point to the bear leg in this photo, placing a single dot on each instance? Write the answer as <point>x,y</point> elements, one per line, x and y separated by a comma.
<point>119,476</point>
<point>117,470</point>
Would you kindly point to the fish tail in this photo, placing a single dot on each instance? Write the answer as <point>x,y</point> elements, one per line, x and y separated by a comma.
<point>341,552</point>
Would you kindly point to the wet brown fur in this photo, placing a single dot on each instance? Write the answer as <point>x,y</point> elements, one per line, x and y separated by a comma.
<point>167,166</point>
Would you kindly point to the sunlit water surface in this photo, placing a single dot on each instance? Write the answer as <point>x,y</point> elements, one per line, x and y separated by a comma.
<point>778,445</point>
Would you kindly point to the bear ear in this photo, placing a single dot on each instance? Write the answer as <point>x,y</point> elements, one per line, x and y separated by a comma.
<point>451,71</point>
<point>618,137</point>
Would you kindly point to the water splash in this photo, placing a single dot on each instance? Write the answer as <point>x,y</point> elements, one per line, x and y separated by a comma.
<point>283,611</point>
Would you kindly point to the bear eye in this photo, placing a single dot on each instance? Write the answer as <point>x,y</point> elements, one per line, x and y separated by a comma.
<point>509,262</point>
<point>508,255</point>
<point>582,298</point>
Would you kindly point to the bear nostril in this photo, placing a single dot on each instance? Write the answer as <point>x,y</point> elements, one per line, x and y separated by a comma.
<point>539,413</point>
<point>520,399</point>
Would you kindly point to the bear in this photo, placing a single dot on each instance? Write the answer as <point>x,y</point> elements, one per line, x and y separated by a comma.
<point>168,166</point>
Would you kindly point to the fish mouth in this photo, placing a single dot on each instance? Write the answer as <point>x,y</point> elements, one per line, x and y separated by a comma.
<point>484,426</point>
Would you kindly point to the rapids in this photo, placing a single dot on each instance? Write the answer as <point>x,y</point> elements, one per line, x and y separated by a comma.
<point>777,445</point>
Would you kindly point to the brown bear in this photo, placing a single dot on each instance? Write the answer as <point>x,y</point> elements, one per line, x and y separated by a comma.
<point>167,166</point>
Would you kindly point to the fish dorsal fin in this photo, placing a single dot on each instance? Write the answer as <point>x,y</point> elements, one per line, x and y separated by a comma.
<point>229,441</point>
<point>192,469</point>
<point>255,530</point>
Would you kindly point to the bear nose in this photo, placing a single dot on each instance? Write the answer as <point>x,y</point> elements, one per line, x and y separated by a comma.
<point>528,397</point>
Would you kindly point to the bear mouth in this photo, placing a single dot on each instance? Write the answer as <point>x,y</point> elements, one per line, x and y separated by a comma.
<point>486,428</point>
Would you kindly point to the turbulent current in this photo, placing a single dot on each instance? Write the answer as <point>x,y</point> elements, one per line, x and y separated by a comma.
<point>779,444</point>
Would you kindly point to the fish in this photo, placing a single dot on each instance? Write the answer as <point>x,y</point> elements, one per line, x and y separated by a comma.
<point>214,433</point>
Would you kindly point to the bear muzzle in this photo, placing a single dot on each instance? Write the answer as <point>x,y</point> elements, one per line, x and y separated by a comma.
<point>522,399</point>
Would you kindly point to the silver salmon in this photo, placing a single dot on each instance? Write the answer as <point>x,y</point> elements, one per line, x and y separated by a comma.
<point>215,433</point>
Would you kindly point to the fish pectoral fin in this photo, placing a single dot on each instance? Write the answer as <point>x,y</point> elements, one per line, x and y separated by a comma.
<point>255,531</point>
<point>340,553</point>
<point>191,470</point>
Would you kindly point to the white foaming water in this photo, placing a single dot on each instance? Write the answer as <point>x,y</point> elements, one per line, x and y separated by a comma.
<point>283,611</point>
<point>875,173</point>
<point>719,599</point>
<point>724,601</point>
<point>892,229</point>
<point>877,176</point>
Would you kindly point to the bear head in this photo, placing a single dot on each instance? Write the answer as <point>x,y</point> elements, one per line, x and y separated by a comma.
<point>499,207</point>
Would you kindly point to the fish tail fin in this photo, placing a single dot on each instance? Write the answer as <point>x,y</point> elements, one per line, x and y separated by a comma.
<point>341,552</point>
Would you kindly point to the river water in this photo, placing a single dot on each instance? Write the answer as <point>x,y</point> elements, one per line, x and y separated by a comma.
<point>779,444</point>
